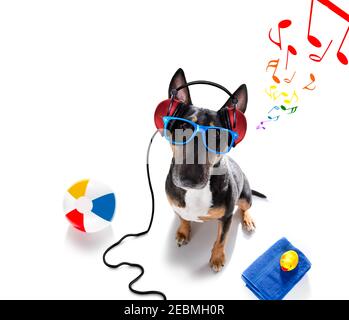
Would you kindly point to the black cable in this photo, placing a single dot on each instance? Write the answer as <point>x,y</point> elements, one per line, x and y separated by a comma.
<point>115,266</point>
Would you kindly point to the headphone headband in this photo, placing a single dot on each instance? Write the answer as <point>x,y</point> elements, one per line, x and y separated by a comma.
<point>210,83</point>
<point>231,116</point>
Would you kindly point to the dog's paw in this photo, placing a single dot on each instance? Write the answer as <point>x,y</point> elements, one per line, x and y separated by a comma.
<point>182,238</point>
<point>217,261</point>
<point>248,222</point>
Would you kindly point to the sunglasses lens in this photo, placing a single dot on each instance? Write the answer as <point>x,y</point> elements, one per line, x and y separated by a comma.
<point>178,131</point>
<point>219,140</point>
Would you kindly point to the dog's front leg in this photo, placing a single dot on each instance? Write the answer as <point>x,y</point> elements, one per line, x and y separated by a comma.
<point>183,232</point>
<point>218,251</point>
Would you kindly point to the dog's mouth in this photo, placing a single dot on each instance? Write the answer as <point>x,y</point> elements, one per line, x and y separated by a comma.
<point>191,176</point>
<point>186,185</point>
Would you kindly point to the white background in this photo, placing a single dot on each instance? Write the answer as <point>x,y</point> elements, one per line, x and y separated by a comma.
<point>79,82</point>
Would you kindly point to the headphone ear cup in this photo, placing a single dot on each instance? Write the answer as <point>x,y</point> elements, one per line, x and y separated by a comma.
<point>162,111</point>
<point>227,115</point>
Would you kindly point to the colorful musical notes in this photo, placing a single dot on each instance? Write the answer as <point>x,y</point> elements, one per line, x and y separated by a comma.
<point>287,99</point>
<point>317,43</point>
<point>273,118</point>
<point>290,80</point>
<point>278,92</point>
<point>313,40</point>
<point>270,119</point>
<point>293,51</point>
<point>340,55</point>
<point>277,111</point>
<point>335,9</point>
<point>307,87</point>
<point>274,108</point>
<point>260,126</point>
<point>316,57</point>
<point>282,25</point>
<point>273,64</point>
<point>270,93</point>
<point>276,118</point>
<point>294,95</point>
<point>290,49</point>
<point>292,109</point>
<point>275,95</point>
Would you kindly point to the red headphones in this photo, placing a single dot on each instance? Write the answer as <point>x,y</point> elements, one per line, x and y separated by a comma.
<point>232,118</point>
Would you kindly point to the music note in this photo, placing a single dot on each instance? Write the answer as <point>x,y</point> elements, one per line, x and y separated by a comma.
<point>293,51</point>
<point>307,87</point>
<point>340,55</point>
<point>276,118</point>
<point>315,41</point>
<point>270,93</point>
<point>335,9</point>
<point>316,57</point>
<point>273,64</point>
<point>290,80</point>
<point>275,95</point>
<point>274,108</point>
<point>294,95</point>
<point>293,109</point>
<point>282,25</point>
<point>260,126</point>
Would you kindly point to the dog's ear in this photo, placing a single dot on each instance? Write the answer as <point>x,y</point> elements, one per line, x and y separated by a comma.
<point>241,95</point>
<point>178,80</point>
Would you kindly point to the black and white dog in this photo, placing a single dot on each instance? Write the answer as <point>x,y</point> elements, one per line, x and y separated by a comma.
<point>194,191</point>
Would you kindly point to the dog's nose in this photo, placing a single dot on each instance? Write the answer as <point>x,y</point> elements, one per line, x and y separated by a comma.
<point>193,176</point>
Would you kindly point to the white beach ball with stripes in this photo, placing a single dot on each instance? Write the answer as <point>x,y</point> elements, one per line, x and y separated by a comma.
<point>89,205</point>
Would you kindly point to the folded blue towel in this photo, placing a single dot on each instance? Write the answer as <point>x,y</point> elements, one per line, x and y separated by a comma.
<point>265,278</point>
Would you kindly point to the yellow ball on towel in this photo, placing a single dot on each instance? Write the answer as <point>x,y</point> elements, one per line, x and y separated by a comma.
<point>289,260</point>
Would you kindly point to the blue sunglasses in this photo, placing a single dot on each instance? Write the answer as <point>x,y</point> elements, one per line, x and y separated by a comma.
<point>179,131</point>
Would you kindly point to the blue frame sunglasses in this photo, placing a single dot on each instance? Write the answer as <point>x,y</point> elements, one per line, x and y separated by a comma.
<point>210,134</point>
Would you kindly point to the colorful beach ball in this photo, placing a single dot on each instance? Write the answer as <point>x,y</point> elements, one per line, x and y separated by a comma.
<point>89,205</point>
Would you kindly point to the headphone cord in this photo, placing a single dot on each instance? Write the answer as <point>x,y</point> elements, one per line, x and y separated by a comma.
<point>115,266</point>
